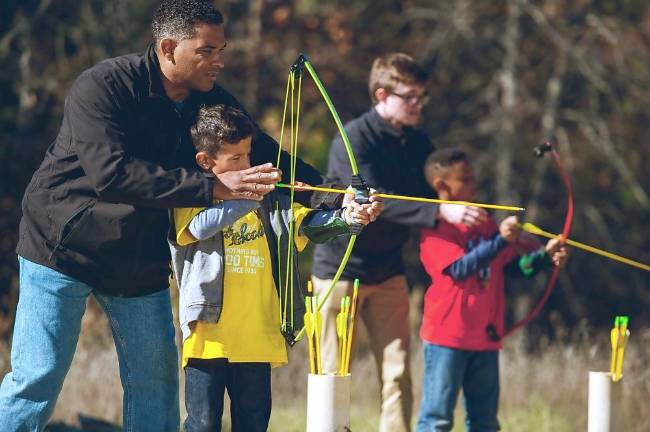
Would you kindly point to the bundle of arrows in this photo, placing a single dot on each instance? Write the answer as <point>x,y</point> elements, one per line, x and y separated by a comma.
<point>345,329</point>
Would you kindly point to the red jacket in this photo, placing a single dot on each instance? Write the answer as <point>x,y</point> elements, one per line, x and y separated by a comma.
<point>457,313</point>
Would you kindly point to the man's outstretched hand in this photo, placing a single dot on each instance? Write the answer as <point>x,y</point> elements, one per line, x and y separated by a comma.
<point>467,215</point>
<point>252,183</point>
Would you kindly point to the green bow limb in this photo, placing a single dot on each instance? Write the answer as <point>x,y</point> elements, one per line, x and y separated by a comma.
<point>303,63</point>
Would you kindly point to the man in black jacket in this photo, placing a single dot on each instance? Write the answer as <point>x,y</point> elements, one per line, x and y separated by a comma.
<point>95,218</point>
<point>390,155</point>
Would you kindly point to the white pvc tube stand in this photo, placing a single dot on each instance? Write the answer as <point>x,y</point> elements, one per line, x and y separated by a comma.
<point>603,397</point>
<point>328,403</point>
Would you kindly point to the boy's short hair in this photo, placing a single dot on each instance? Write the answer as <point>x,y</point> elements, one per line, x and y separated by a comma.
<point>178,18</point>
<point>218,125</point>
<point>392,69</point>
<point>441,160</point>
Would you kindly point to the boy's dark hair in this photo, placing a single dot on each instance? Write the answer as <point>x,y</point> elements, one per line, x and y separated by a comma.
<point>218,125</point>
<point>440,160</point>
<point>178,18</point>
<point>394,68</point>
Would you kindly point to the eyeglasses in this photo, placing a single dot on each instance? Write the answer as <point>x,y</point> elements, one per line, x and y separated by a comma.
<point>412,99</point>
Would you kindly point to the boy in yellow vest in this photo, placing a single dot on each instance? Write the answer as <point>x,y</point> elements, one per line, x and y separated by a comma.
<point>230,263</point>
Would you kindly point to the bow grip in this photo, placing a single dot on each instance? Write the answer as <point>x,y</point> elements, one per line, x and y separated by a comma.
<point>361,189</point>
<point>361,196</point>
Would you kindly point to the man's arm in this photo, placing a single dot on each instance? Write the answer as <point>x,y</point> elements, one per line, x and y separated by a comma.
<point>95,115</point>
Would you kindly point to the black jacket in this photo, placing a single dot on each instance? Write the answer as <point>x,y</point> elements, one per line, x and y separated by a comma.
<point>96,207</point>
<point>391,161</point>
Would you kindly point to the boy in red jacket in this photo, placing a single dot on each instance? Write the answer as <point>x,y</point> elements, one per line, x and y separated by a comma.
<point>464,306</point>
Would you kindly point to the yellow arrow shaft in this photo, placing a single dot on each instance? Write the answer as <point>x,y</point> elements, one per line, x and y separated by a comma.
<point>402,197</point>
<point>538,231</point>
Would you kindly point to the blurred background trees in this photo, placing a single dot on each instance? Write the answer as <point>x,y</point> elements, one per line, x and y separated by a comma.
<point>506,75</point>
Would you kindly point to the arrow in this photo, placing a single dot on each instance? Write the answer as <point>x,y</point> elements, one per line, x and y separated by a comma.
<point>400,197</point>
<point>533,229</point>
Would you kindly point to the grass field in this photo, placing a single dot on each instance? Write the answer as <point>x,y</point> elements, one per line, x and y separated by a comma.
<point>539,393</point>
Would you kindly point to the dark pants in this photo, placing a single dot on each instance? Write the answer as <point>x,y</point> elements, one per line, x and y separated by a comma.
<point>249,389</point>
<point>446,371</point>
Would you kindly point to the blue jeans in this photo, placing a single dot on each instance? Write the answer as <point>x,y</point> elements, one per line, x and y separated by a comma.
<point>48,320</point>
<point>446,371</point>
<point>249,389</point>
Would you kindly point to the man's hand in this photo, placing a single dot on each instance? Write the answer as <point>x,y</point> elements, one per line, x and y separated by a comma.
<point>557,251</point>
<point>252,183</point>
<point>509,229</point>
<point>467,215</point>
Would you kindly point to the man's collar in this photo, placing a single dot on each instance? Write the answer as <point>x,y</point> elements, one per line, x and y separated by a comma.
<point>156,88</point>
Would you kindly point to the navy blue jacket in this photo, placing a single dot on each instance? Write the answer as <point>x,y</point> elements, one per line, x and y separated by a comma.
<point>391,161</point>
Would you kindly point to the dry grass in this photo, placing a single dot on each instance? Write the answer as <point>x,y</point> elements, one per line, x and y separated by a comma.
<point>543,392</point>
